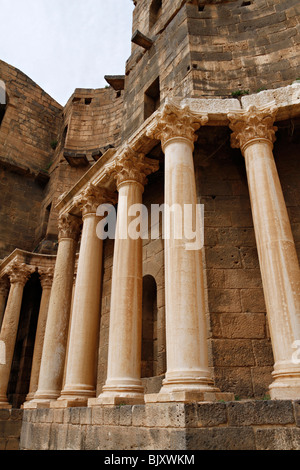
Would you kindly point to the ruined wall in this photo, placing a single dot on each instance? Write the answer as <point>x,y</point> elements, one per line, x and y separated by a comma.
<point>212,49</point>
<point>30,124</point>
<point>242,46</point>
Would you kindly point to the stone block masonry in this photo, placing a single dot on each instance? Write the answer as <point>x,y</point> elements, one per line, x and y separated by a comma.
<point>10,429</point>
<point>245,425</point>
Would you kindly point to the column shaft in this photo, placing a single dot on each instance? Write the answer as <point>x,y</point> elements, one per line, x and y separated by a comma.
<point>186,330</point>
<point>124,356</point>
<point>81,364</point>
<point>55,341</point>
<point>279,265</point>
<point>254,133</point>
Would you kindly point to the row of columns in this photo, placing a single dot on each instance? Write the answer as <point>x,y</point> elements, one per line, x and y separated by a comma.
<point>188,374</point>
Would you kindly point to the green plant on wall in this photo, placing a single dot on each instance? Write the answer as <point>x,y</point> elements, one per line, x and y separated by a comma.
<point>237,93</point>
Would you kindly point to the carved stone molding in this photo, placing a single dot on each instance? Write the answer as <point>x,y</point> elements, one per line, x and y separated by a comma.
<point>93,196</point>
<point>253,124</point>
<point>176,121</point>
<point>68,227</point>
<point>19,272</point>
<point>46,277</point>
<point>132,166</point>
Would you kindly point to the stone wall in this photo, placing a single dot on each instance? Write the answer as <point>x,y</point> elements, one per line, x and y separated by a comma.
<point>30,124</point>
<point>212,49</point>
<point>10,429</point>
<point>260,425</point>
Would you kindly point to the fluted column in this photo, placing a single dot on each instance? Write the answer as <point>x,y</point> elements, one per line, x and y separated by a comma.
<point>55,341</point>
<point>4,288</point>
<point>46,278</point>
<point>18,275</point>
<point>80,382</point>
<point>125,330</point>
<point>188,374</point>
<point>254,133</point>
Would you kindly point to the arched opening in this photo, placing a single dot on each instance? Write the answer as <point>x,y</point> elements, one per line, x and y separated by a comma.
<point>22,361</point>
<point>155,12</point>
<point>149,328</point>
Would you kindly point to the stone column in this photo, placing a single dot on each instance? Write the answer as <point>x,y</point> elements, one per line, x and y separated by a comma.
<point>188,375</point>
<point>254,133</point>
<point>80,379</point>
<point>4,288</point>
<point>54,348</point>
<point>125,331</point>
<point>46,278</point>
<point>18,275</point>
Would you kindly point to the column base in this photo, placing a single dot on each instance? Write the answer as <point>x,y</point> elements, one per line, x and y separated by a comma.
<point>75,397</point>
<point>119,396</point>
<point>188,389</point>
<point>286,385</point>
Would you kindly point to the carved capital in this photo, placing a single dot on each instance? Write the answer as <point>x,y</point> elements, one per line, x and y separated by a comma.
<point>176,121</point>
<point>19,273</point>
<point>46,277</point>
<point>92,197</point>
<point>252,125</point>
<point>68,227</point>
<point>132,166</point>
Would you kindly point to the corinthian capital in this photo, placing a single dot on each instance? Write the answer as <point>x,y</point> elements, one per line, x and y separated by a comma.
<point>46,277</point>
<point>253,124</point>
<point>93,196</point>
<point>176,121</point>
<point>68,227</point>
<point>132,166</point>
<point>19,273</point>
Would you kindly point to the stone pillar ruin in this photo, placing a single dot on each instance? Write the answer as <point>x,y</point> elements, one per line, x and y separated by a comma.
<point>55,341</point>
<point>125,334</point>
<point>254,134</point>
<point>80,381</point>
<point>18,275</point>
<point>188,374</point>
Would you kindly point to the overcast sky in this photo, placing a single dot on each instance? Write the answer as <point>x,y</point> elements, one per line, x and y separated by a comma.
<point>66,44</point>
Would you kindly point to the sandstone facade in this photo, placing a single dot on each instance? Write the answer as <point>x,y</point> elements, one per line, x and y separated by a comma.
<point>207,112</point>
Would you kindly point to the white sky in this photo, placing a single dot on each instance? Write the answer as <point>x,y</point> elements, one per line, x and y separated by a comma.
<point>66,44</point>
